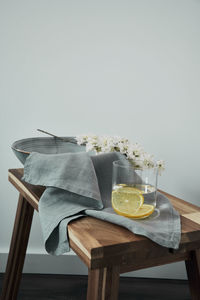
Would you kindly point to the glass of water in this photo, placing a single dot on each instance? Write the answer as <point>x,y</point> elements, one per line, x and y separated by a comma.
<point>128,180</point>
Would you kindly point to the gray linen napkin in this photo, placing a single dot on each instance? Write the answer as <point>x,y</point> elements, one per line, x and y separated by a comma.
<point>78,185</point>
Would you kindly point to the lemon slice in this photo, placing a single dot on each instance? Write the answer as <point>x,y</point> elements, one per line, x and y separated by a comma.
<point>126,202</point>
<point>128,187</point>
<point>133,189</point>
<point>144,211</point>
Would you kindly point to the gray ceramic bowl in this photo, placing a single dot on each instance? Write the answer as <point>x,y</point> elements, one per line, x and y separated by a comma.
<point>46,145</point>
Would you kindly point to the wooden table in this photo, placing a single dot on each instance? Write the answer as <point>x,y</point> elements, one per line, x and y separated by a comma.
<point>105,248</point>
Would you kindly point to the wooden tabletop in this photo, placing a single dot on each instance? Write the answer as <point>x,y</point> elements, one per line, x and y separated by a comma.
<point>99,243</point>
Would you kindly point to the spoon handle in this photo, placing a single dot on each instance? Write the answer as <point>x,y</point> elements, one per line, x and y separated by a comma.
<point>71,139</point>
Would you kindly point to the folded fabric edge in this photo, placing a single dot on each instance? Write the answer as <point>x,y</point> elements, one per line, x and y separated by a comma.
<point>173,242</point>
<point>62,245</point>
<point>59,182</point>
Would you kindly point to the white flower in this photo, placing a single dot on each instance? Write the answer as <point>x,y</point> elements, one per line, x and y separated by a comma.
<point>137,163</point>
<point>90,147</point>
<point>124,145</point>
<point>81,139</point>
<point>148,160</point>
<point>161,166</point>
<point>133,152</point>
<point>93,143</point>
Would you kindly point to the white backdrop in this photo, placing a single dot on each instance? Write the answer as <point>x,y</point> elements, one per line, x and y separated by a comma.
<point>128,67</point>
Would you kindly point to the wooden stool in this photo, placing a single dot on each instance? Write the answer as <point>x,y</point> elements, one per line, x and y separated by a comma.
<point>105,248</point>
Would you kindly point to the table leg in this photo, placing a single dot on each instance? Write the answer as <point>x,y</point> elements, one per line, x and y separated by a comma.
<point>103,284</point>
<point>193,272</point>
<point>19,241</point>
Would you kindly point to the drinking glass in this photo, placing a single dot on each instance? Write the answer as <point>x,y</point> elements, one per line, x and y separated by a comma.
<point>135,179</point>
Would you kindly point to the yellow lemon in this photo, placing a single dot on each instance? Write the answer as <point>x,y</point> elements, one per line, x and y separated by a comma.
<point>144,211</point>
<point>127,202</point>
<point>129,188</point>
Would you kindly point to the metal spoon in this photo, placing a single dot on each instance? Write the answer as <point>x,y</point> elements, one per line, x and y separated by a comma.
<point>67,139</point>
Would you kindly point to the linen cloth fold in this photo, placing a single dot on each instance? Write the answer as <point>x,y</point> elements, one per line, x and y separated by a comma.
<point>78,185</point>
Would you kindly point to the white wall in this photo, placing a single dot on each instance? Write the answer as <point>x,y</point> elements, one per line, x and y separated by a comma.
<point>128,67</point>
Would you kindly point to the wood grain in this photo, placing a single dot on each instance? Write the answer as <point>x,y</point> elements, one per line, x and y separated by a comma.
<point>183,207</point>
<point>103,284</point>
<point>108,243</point>
<point>195,217</point>
<point>20,236</point>
<point>193,272</point>
<point>32,193</point>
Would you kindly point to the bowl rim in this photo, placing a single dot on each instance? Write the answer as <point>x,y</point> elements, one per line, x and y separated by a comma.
<point>13,147</point>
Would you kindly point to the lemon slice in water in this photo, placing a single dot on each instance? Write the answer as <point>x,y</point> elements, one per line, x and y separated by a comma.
<point>143,212</point>
<point>127,202</point>
<point>129,188</point>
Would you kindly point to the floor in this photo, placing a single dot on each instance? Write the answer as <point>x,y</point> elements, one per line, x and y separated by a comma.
<point>70,287</point>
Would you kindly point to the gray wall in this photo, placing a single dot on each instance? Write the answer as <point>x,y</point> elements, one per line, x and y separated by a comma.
<point>129,68</point>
